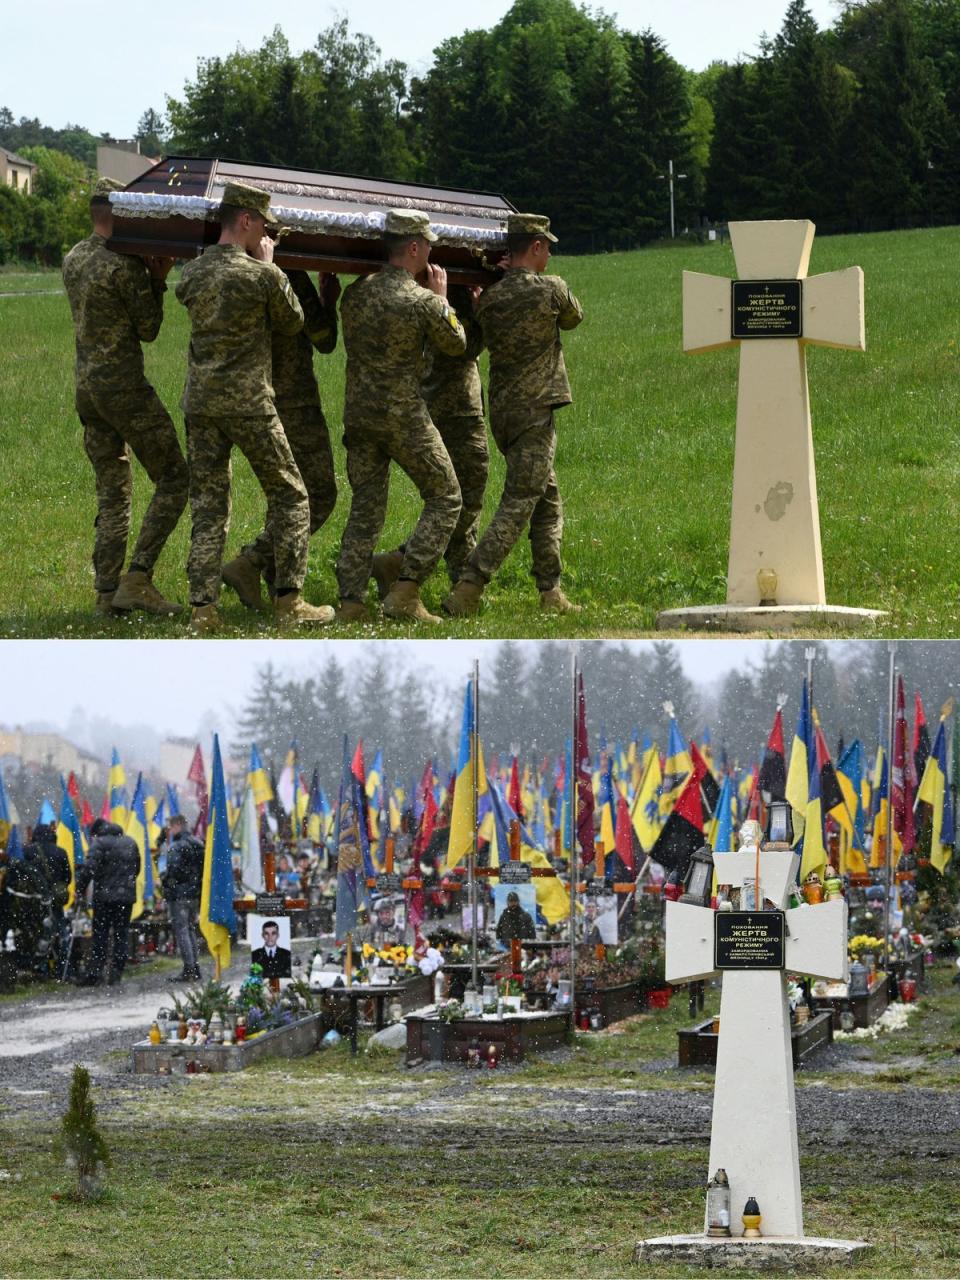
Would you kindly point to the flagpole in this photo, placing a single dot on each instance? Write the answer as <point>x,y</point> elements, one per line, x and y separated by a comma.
<point>574,798</point>
<point>474,847</point>
<point>888,861</point>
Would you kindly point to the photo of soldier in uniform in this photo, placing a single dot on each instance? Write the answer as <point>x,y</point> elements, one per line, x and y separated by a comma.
<point>269,939</point>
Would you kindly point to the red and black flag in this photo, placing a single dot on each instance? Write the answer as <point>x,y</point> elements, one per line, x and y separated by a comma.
<point>773,770</point>
<point>583,776</point>
<point>921,740</point>
<point>682,832</point>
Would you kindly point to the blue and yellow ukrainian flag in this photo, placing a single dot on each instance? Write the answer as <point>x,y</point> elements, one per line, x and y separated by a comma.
<point>803,761</point>
<point>814,854</point>
<point>677,768</point>
<point>117,785</point>
<point>849,815</point>
<point>553,900</point>
<point>8,815</point>
<point>257,779</point>
<point>935,791</point>
<point>136,829</point>
<point>71,841</point>
<point>464,818</point>
<point>217,917</point>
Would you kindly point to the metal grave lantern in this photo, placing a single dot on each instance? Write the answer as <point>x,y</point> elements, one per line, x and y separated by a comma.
<point>699,878</point>
<point>779,823</point>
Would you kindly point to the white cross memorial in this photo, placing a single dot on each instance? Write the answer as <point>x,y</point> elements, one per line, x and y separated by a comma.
<point>773,311</point>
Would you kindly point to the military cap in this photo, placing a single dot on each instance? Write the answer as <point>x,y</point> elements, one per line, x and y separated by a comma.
<point>255,199</point>
<point>529,224</point>
<point>102,188</point>
<point>407,222</point>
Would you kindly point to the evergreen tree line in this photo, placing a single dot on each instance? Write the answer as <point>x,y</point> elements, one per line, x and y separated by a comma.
<point>526,703</point>
<point>563,111</point>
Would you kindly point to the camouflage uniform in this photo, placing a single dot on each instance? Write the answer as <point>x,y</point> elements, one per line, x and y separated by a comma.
<point>116,305</point>
<point>235,303</point>
<point>521,316</point>
<point>297,400</point>
<point>454,398</point>
<point>388,322</point>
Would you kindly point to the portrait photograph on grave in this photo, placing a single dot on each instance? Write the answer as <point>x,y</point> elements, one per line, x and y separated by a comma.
<point>269,940</point>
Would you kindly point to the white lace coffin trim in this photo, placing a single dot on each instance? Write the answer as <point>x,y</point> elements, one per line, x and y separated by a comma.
<point>143,204</point>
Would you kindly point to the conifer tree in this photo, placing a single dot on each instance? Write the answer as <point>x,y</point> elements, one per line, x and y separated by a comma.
<point>84,1145</point>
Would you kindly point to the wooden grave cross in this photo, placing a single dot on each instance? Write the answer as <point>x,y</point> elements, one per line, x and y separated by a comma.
<point>773,311</point>
<point>754,1127</point>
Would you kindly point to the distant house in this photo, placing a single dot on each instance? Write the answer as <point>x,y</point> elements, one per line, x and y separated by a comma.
<point>16,172</point>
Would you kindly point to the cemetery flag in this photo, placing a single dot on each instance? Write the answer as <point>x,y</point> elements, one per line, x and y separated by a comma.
<point>902,791</point>
<point>117,787</point>
<point>801,758</point>
<point>8,815</point>
<point>197,775</point>
<point>584,782</point>
<point>464,816</point>
<point>773,770</point>
<point>682,832</point>
<point>676,769</point>
<point>935,791</point>
<point>251,864</point>
<point>645,813</point>
<point>70,840</point>
<point>136,829</point>
<point>217,918</point>
<point>257,780</point>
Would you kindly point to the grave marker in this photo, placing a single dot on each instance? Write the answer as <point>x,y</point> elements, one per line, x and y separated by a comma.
<point>754,1126</point>
<point>772,312</point>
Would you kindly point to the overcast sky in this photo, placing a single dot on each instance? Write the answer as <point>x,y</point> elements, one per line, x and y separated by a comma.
<point>171,684</point>
<point>102,64</point>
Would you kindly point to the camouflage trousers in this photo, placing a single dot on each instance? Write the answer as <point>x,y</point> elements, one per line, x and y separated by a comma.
<point>528,442</point>
<point>466,441</point>
<point>114,427</point>
<point>262,442</point>
<point>419,451</point>
<point>309,438</point>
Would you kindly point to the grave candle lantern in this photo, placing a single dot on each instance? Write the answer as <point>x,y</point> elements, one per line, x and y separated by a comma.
<point>699,878</point>
<point>718,1204</point>
<point>779,823</point>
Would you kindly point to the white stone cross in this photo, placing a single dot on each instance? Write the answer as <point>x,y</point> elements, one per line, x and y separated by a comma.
<point>754,1130</point>
<point>775,523</point>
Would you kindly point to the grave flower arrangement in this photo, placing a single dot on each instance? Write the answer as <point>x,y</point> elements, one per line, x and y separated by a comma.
<point>864,942</point>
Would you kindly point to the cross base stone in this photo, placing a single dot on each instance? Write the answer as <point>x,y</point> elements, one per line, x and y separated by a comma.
<point>739,1254</point>
<point>763,618</point>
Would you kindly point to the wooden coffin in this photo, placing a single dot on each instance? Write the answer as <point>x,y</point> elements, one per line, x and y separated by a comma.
<point>330,221</point>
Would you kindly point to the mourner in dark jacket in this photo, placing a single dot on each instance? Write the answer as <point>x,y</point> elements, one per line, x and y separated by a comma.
<point>181,889</point>
<point>58,873</point>
<point>112,864</point>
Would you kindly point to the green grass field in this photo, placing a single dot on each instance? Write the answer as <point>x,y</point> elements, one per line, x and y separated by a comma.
<point>645,457</point>
<point>333,1166</point>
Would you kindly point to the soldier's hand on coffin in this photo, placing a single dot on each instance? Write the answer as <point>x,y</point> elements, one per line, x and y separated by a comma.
<point>159,268</point>
<point>436,279</point>
<point>475,293</point>
<point>329,286</point>
<point>264,250</point>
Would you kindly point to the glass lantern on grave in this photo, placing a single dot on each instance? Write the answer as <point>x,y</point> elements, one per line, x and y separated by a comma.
<point>699,878</point>
<point>718,1204</point>
<point>779,832</point>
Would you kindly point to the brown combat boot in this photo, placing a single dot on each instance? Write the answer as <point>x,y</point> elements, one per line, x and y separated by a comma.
<point>104,604</point>
<point>386,570</point>
<point>136,591</point>
<point>293,611</point>
<point>554,601</point>
<point>243,576</point>
<point>205,618</point>
<point>403,603</point>
<point>464,600</point>
<point>353,611</point>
